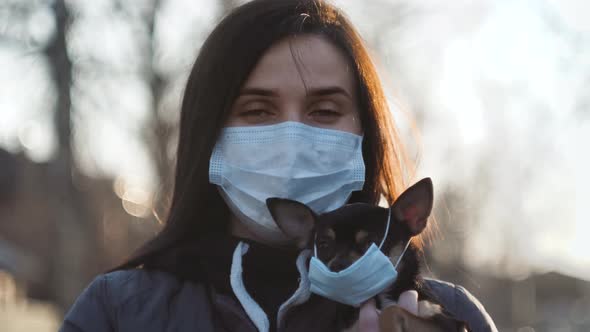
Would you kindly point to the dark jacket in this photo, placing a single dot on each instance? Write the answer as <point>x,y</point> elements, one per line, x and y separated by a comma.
<point>143,300</point>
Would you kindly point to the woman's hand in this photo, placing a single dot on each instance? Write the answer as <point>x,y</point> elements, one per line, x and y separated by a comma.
<point>369,317</point>
<point>409,301</point>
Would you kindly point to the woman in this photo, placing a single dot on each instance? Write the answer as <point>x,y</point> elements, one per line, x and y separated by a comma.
<point>276,88</point>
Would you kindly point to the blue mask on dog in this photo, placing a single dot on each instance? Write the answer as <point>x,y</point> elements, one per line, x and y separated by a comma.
<point>368,276</point>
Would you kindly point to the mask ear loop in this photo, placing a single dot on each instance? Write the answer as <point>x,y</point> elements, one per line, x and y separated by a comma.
<point>386,228</point>
<point>315,248</point>
<point>402,254</point>
<point>385,236</point>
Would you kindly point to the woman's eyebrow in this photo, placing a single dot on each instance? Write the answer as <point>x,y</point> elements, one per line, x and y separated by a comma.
<point>258,92</point>
<point>312,92</point>
<point>329,90</point>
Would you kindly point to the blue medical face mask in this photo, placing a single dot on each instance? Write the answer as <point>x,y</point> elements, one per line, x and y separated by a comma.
<point>316,166</point>
<point>368,276</point>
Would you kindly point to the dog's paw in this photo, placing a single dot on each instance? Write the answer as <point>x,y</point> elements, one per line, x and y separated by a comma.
<point>428,309</point>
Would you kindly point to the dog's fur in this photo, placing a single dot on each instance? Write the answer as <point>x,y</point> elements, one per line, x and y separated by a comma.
<point>342,236</point>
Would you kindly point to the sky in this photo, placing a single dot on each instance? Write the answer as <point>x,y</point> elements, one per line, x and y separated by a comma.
<point>499,88</point>
<point>505,91</point>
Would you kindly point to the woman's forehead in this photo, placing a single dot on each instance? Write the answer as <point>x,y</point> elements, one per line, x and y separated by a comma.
<point>296,63</point>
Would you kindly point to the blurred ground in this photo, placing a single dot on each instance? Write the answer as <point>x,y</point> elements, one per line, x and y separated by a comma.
<point>20,314</point>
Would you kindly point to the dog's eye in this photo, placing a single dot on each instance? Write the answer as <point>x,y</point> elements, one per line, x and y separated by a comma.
<point>362,247</point>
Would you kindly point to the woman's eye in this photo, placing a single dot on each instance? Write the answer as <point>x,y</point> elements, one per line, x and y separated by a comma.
<point>325,115</point>
<point>362,247</point>
<point>256,115</point>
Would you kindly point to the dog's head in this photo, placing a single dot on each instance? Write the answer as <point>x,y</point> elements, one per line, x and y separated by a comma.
<point>342,236</point>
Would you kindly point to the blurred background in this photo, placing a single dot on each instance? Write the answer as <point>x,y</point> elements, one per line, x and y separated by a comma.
<point>499,91</point>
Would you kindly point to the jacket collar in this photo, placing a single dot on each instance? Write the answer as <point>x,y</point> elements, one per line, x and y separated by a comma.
<point>254,311</point>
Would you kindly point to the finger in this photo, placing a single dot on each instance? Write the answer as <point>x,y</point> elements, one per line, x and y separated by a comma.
<point>368,317</point>
<point>409,301</point>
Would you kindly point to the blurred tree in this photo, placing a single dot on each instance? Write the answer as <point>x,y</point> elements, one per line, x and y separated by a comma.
<point>74,224</point>
<point>9,176</point>
<point>69,226</point>
<point>158,132</point>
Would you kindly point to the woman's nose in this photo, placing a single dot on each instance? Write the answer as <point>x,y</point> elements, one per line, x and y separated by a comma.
<point>293,113</point>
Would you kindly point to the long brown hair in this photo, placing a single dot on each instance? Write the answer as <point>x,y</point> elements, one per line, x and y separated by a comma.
<point>225,60</point>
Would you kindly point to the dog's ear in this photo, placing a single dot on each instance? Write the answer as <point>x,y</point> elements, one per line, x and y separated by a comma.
<point>295,219</point>
<point>413,207</point>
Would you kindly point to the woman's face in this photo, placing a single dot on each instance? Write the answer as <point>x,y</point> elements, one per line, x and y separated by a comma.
<point>304,79</point>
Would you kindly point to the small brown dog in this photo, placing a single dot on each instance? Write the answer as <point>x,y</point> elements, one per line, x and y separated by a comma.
<point>342,236</point>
